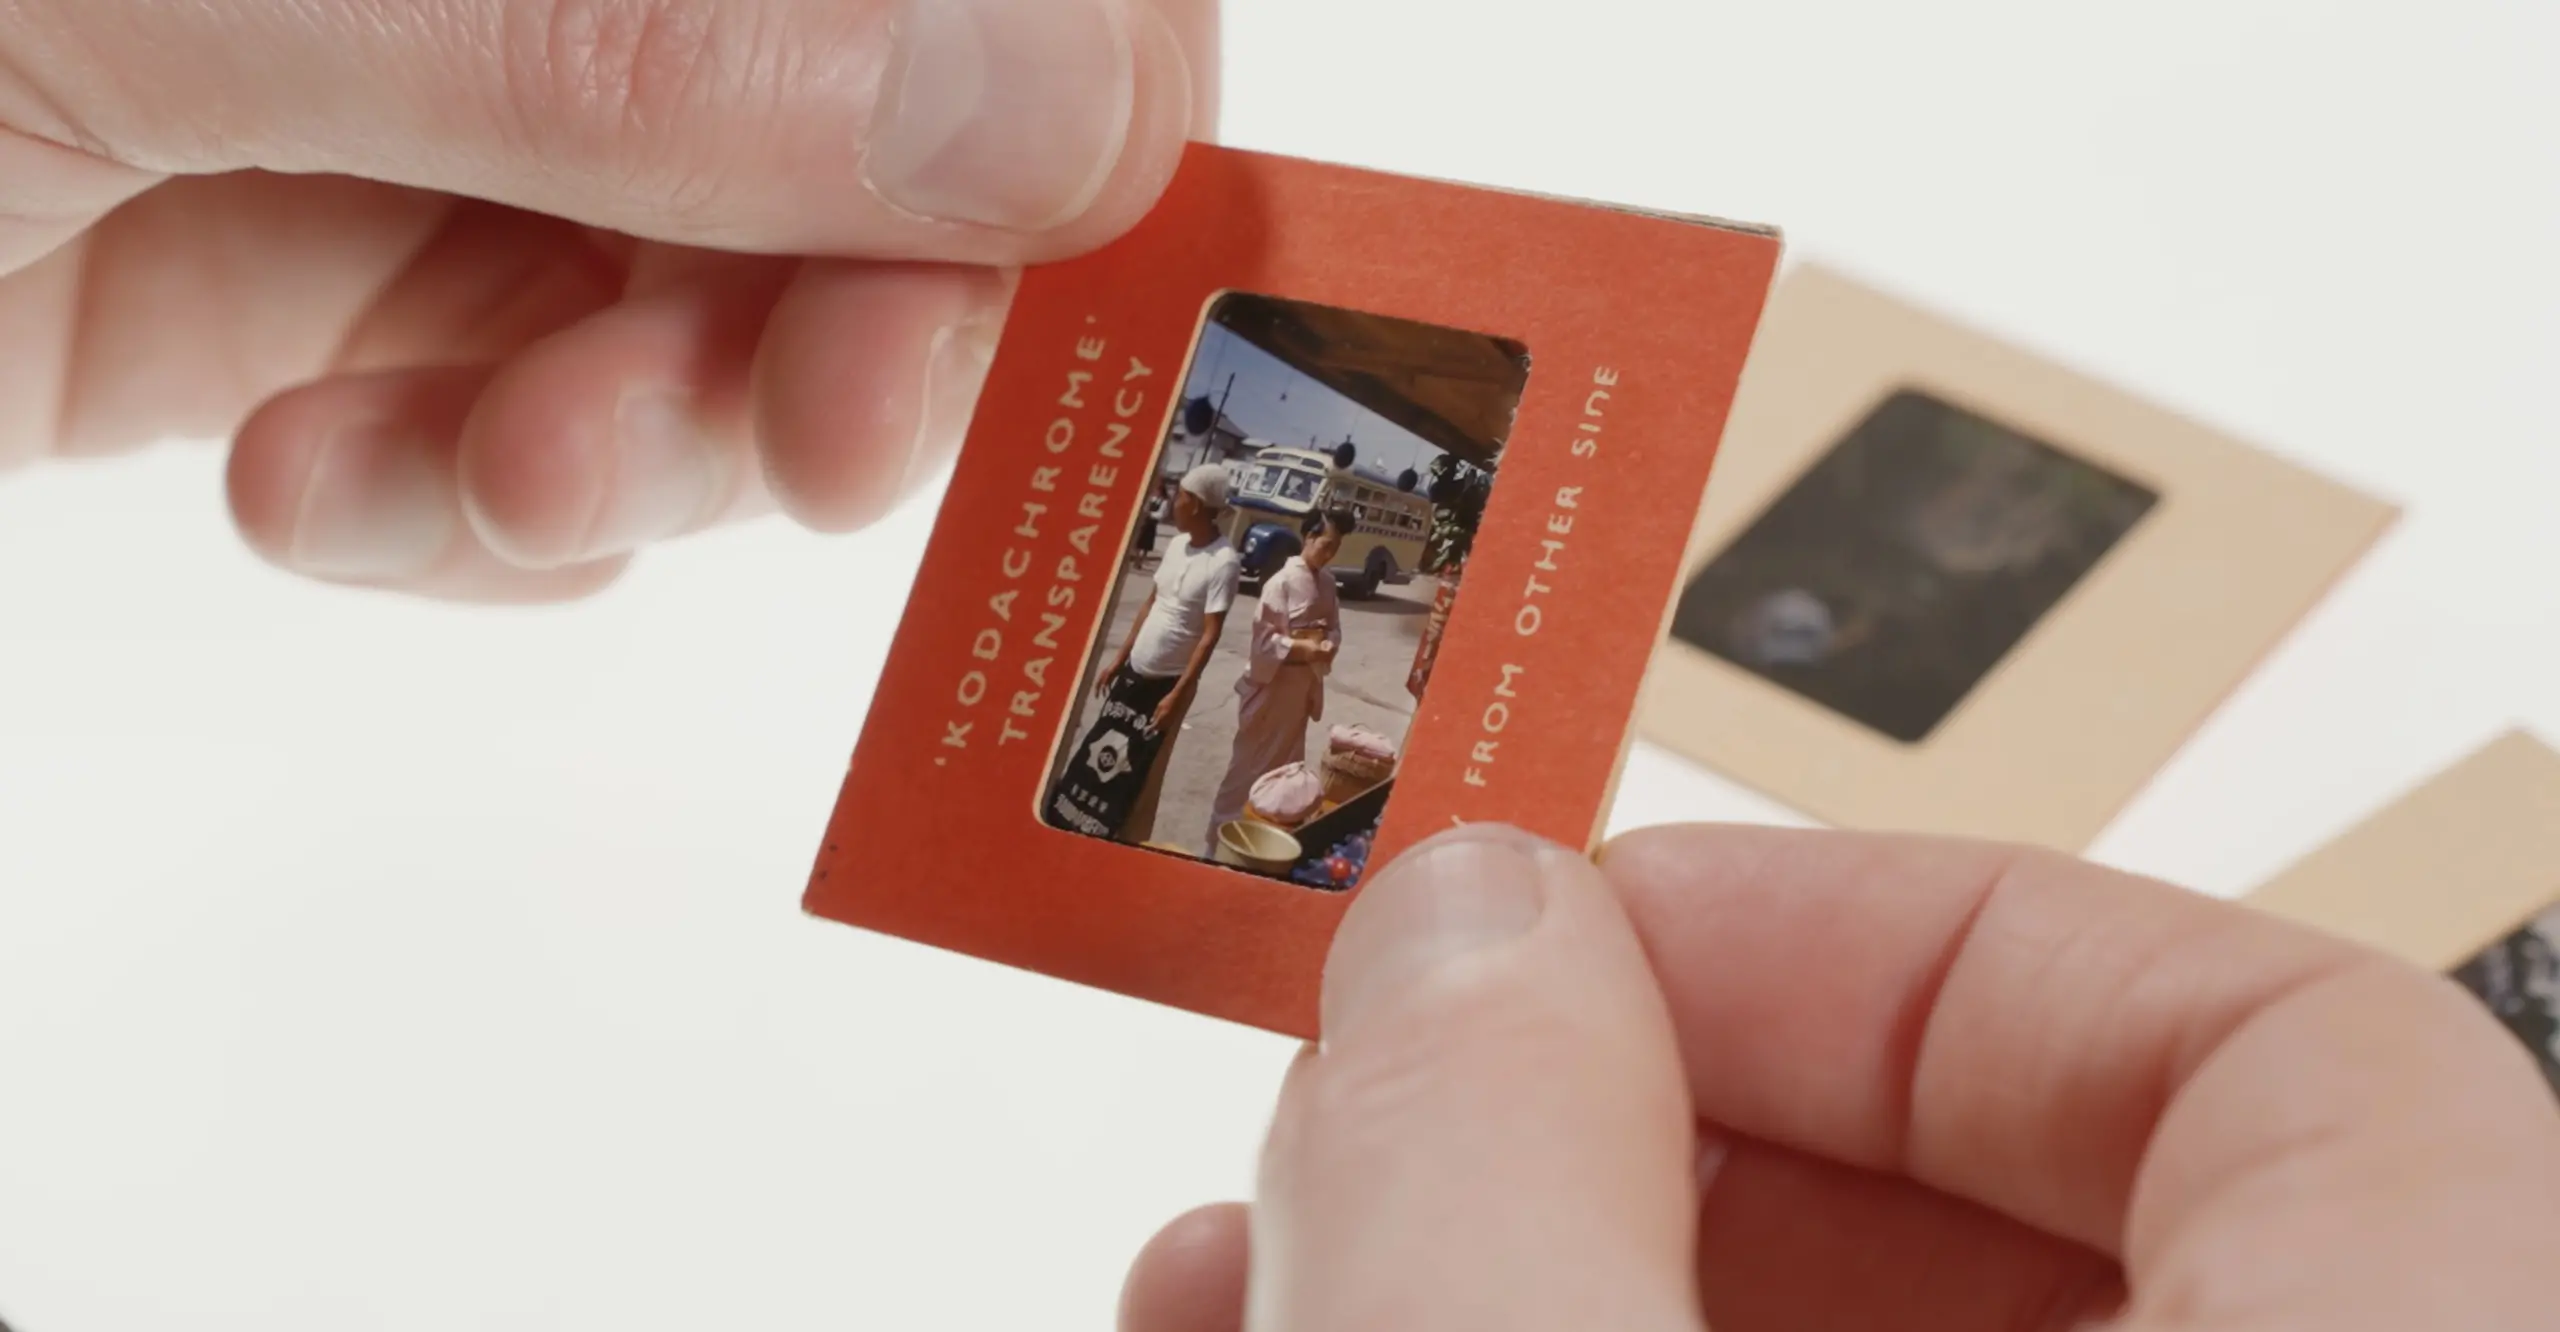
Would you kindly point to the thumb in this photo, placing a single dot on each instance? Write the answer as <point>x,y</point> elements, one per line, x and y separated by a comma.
<point>982,131</point>
<point>1495,1134</point>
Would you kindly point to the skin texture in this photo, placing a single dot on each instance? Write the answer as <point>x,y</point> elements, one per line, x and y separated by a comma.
<point>489,295</point>
<point>1770,1081</point>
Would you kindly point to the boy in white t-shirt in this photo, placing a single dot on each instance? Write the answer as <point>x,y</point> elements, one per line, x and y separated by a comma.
<point>1116,773</point>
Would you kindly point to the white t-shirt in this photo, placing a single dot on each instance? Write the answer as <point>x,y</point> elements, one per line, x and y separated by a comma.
<point>1191,586</point>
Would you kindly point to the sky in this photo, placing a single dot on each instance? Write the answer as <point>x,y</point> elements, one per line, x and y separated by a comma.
<point>1308,409</point>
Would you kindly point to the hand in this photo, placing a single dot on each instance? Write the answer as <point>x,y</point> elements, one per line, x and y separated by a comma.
<point>1172,704</point>
<point>1102,682</point>
<point>624,342</point>
<point>1880,1083</point>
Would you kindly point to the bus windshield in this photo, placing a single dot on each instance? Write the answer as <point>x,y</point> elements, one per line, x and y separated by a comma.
<point>1287,484</point>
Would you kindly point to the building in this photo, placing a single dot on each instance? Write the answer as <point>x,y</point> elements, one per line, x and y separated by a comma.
<point>1224,441</point>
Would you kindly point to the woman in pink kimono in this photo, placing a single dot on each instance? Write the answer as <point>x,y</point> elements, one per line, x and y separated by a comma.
<point>1297,629</point>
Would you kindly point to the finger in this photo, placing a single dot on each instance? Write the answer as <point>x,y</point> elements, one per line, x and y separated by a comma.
<point>1828,1059</point>
<point>992,131</point>
<point>1196,30</point>
<point>1493,1134</point>
<point>198,255</point>
<point>352,481</point>
<point>866,380</point>
<point>1191,1276</point>
<point>1788,1241</point>
<point>488,283</point>
<point>2109,1059</point>
<point>50,193</point>
<point>629,428</point>
<point>39,316</point>
<point>1785,1242</point>
<point>2378,1115</point>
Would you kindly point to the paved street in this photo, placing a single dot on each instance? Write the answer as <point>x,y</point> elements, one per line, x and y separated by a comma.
<point>1366,688</point>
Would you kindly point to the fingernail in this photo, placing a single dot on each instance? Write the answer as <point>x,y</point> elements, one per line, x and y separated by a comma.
<point>663,480</point>
<point>1441,906</point>
<point>1003,113</point>
<point>1713,1149</point>
<point>376,505</point>
<point>954,374</point>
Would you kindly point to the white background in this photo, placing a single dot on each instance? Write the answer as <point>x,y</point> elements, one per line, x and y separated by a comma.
<point>370,964</point>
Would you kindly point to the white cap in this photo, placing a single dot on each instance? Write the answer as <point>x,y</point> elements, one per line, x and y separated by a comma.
<point>1207,483</point>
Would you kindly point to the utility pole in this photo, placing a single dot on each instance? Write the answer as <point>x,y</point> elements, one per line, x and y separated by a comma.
<point>1219,415</point>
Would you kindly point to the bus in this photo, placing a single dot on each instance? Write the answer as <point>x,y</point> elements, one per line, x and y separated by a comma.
<point>1272,492</point>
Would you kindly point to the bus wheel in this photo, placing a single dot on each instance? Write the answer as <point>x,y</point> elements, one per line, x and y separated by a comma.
<point>1379,567</point>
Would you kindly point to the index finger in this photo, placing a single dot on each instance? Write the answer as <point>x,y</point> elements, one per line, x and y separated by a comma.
<point>2110,1059</point>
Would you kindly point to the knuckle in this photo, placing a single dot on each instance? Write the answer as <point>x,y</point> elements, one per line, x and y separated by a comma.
<point>624,86</point>
<point>55,92</point>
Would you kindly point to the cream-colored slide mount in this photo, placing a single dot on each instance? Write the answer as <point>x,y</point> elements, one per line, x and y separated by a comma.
<point>1943,585</point>
<point>2460,876</point>
<point>2451,868</point>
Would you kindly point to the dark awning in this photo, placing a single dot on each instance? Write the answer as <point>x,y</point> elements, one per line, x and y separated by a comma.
<point>1458,391</point>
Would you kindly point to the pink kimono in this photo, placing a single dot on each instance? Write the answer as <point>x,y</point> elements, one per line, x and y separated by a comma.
<point>1277,700</point>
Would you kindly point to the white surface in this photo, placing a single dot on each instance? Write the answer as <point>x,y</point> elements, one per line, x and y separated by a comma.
<point>370,964</point>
